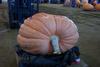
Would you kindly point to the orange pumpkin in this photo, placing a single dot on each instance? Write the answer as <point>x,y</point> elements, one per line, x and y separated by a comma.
<point>87,6</point>
<point>78,3</point>
<point>36,32</point>
<point>97,6</point>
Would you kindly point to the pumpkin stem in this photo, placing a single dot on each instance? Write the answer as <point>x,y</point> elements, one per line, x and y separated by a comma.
<point>55,44</point>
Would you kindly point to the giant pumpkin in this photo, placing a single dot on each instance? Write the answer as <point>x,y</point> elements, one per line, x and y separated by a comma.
<point>36,33</point>
<point>97,7</point>
<point>87,6</point>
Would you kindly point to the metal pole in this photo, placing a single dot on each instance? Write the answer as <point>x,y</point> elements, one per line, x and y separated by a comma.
<point>38,1</point>
<point>49,1</point>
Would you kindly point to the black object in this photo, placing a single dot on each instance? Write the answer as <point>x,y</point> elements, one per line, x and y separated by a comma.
<point>19,10</point>
<point>62,60</point>
<point>0,1</point>
<point>56,1</point>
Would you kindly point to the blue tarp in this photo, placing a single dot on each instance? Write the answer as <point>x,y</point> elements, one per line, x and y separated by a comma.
<point>73,3</point>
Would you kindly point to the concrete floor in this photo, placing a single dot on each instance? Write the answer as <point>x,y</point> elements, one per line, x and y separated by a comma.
<point>89,42</point>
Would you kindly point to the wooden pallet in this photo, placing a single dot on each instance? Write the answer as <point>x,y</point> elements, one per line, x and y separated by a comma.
<point>81,64</point>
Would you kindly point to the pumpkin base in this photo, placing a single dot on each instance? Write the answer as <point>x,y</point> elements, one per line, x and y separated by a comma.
<point>24,59</point>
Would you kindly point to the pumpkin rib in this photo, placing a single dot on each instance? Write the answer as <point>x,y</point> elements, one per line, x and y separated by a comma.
<point>20,41</point>
<point>25,41</point>
<point>37,30</point>
<point>69,41</point>
<point>21,33</point>
<point>62,21</point>
<point>72,34</point>
<point>55,24</point>
<point>66,43</point>
<point>24,26</point>
<point>59,23</point>
<point>34,43</point>
<point>45,28</point>
<point>66,47</point>
<point>30,49</point>
<point>43,24</point>
<point>50,24</point>
<point>71,44</point>
<point>69,28</point>
<point>37,18</point>
<point>61,26</point>
<point>73,24</point>
<point>66,30</point>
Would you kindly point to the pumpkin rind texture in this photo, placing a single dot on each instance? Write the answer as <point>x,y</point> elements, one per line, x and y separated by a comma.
<point>35,33</point>
<point>97,7</point>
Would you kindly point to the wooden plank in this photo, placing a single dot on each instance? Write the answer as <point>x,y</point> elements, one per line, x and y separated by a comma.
<point>81,64</point>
